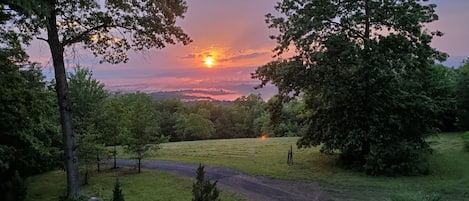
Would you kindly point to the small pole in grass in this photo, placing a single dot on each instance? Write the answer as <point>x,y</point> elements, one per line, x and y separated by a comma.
<point>290,156</point>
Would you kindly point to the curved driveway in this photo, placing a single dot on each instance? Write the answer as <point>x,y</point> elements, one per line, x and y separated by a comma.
<point>254,188</point>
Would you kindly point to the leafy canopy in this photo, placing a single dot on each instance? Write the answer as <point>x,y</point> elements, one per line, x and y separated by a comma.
<point>363,70</point>
<point>107,28</point>
<point>462,97</point>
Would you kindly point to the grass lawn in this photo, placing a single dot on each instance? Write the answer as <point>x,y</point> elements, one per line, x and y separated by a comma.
<point>449,179</point>
<point>146,186</point>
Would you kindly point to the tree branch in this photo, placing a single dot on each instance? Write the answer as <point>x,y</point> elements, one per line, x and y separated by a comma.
<point>358,33</point>
<point>80,36</point>
<point>43,39</point>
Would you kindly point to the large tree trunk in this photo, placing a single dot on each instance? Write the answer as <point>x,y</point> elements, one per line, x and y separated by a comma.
<point>71,158</point>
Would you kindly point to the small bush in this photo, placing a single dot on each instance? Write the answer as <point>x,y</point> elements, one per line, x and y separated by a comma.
<point>204,190</point>
<point>15,188</point>
<point>465,138</point>
<point>401,158</point>
<point>117,192</point>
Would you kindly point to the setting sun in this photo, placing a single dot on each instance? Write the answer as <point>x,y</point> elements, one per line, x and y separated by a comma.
<point>208,62</point>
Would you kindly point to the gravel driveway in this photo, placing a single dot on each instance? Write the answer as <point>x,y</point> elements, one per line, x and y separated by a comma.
<point>253,188</point>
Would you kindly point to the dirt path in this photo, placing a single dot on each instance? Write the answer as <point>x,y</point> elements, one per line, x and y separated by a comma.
<point>250,187</point>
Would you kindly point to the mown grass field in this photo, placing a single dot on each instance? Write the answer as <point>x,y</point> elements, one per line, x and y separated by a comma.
<point>449,179</point>
<point>146,186</point>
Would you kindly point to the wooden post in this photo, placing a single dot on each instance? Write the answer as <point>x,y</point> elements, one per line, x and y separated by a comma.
<point>290,156</point>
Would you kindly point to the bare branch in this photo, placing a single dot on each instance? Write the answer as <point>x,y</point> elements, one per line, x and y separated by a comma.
<point>43,39</point>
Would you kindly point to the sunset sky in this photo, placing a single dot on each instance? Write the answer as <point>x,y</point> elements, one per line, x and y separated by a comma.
<point>234,37</point>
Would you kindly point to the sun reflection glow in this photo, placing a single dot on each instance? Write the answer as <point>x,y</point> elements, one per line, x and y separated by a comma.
<point>208,62</point>
<point>263,136</point>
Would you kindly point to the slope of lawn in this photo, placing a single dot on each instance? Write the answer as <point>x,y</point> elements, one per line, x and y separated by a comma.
<point>146,186</point>
<point>449,179</point>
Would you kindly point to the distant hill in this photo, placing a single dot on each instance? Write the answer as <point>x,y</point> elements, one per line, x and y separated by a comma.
<point>187,96</point>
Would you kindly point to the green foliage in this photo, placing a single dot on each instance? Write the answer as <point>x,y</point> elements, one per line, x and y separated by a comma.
<point>204,190</point>
<point>142,123</point>
<point>29,138</point>
<point>194,127</point>
<point>28,128</point>
<point>462,97</point>
<point>229,123</point>
<point>141,24</point>
<point>443,82</point>
<point>15,189</point>
<point>242,119</point>
<point>114,120</point>
<point>117,192</point>
<point>293,119</point>
<point>86,94</point>
<point>402,158</point>
<point>246,117</point>
<point>113,123</point>
<point>169,111</point>
<point>366,78</point>
<point>253,107</point>
<point>86,97</point>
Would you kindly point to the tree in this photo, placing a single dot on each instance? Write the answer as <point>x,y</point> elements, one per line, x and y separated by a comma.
<point>114,123</point>
<point>204,190</point>
<point>362,69</point>
<point>194,127</point>
<point>142,124</point>
<point>90,151</point>
<point>86,97</point>
<point>462,97</point>
<point>252,106</point>
<point>108,29</point>
<point>169,111</point>
<point>443,82</point>
<point>275,108</point>
<point>292,121</point>
<point>29,135</point>
<point>117,192</point>
<point>262,123</point>
<point>228,124</point>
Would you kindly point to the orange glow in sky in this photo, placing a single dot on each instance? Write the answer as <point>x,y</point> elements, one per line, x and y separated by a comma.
<point>209,62</point>
<point>230,40</point>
